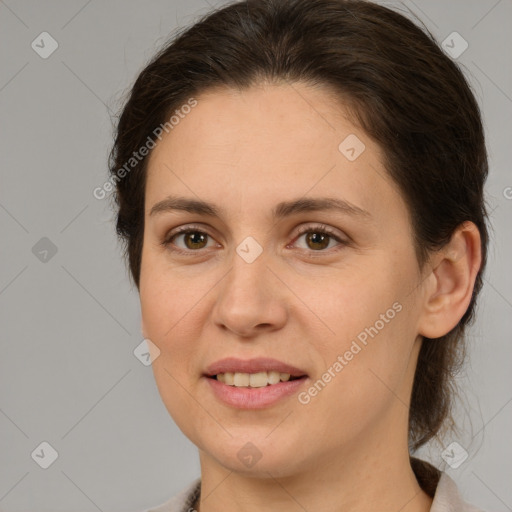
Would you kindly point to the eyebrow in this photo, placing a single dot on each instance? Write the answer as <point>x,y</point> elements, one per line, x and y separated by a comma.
<point>280,211</point>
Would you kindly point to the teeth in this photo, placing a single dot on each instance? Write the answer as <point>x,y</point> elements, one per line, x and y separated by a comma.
<point>258,380</point>
<point>253,380</point>
<point>274,377</point>
<point>241,379</point>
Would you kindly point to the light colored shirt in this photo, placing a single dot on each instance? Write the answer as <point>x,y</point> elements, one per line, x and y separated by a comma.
<point>446,498</point>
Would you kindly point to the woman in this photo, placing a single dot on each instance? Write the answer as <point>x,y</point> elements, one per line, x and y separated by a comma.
<point>299,185</point>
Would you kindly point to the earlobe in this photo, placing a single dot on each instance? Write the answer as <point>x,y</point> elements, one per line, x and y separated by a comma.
<point>453,278</point>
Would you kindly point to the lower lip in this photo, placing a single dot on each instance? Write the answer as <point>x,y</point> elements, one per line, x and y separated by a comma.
<point>254,398</point>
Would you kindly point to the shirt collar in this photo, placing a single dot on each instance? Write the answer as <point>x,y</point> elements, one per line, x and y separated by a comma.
<point>448,499</point>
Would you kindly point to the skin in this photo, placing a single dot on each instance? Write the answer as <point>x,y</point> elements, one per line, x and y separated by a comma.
<point>245,152</point>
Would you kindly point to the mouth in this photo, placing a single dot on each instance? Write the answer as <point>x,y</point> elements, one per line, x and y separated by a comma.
<point>253,373</point>
<point>254,384</point>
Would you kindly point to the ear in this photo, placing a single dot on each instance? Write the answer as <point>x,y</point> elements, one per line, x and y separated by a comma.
<point>449,287</point>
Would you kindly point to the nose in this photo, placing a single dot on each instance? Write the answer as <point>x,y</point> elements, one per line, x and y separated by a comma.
<point>251,299</point>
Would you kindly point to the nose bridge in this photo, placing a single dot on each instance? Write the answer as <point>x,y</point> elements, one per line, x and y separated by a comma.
<point>248,297</point>
<point>248,278</point>
<point>250,252</point>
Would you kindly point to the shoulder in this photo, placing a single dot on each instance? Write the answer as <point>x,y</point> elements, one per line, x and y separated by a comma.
<point>448,499</point>
<point>181,502</point>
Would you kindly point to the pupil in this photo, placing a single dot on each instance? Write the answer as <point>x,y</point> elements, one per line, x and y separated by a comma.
<point>313,238</point>
<point>194,237</point>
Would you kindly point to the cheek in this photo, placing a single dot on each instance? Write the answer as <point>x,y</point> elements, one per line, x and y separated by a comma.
<point>166,313</point>
<point>360,384</point>
<point>172,308</point>
<point>164,298</point>
<point>369,344</point>
<point>350,302</point>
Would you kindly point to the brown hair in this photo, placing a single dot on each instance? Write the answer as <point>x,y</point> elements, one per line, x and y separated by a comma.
<point>404,92</point>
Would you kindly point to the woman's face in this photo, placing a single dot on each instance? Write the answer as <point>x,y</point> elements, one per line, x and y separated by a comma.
<point>259,279</point>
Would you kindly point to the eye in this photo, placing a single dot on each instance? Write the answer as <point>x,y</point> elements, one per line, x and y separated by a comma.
<point>318,238</point>
<point>194,239</point>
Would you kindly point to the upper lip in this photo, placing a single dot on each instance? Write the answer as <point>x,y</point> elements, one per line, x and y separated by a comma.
<point>258,364</point>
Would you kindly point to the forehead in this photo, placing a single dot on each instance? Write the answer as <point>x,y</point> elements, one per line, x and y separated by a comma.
<point>257,147</point>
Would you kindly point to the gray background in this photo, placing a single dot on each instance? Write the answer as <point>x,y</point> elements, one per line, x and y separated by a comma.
<point>70,320</point>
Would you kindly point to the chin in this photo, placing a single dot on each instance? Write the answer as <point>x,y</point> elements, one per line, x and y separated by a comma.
<point>257,456</point>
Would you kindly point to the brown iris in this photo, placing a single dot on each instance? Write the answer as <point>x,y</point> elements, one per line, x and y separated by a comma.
<point>318,238</point>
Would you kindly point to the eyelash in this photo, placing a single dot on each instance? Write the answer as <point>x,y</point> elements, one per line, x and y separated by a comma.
<point>322,229</point>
